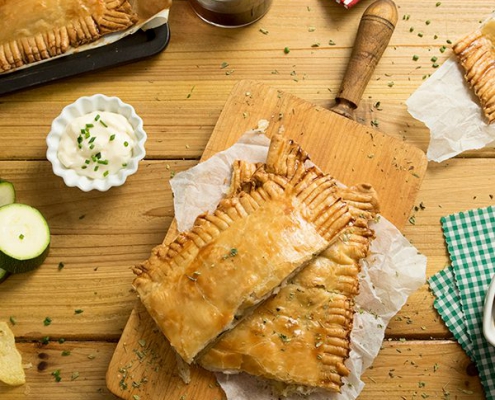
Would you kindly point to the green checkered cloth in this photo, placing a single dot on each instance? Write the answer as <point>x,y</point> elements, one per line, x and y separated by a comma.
<point>470,238</point>
<point>448,304</point>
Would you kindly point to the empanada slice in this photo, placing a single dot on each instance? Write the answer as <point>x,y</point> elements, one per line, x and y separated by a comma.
<point>208,278</point>
<point>476,54</point>
<point>35,30</point>
<point>301,336</point>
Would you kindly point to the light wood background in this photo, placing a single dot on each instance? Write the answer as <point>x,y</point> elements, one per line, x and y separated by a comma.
<point>180,94</point>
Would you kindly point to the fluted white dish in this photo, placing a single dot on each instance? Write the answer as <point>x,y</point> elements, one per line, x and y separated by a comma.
<point>85,105</point>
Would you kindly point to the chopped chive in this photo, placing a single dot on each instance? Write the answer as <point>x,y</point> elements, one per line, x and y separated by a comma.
<point>79,139</point>
<point>286,50</point>
<point>126,144</point>
<point>112,137</point>
<point>13,321</point>
<point>420,34</point>
<point>427,22</point>
<point>442,49</point>
<point>91,146</point>
<point>78,311</point>
<point>124,164</point>
<point>105,125</point>
<point>96,168</point>
<point>47,321</point>
<point>65,353</point>
<point>61,265</point>
<point>434,59</point>
<point>92,139</point>
<point>104,162</point>
<point>438,4</point>
<point>98,155</point>
<point>84,167</point>
<point>89,126</point>
<point>97,117</point>
<point>21,236</point>
<point>411,29</point>
<point>415,57</point>
<point>105,174</point>
<point>87,161</point>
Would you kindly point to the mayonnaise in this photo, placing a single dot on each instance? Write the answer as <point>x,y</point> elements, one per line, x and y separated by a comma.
<point>97,144</point>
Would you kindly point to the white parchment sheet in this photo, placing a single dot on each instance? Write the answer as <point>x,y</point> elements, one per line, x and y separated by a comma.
<point>448,107</point>
<point>393,270</point>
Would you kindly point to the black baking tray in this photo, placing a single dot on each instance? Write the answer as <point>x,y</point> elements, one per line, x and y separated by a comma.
<point>139,45</point>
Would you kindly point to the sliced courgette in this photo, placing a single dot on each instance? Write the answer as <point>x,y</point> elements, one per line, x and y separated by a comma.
<point>3,274</point>
<point>7,193</point>
<point>24,238</point>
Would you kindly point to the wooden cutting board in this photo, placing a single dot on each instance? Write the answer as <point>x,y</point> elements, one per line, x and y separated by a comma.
<point>143,364</point>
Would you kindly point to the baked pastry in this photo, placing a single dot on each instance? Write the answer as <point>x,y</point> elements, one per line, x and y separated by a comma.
<point>35,30</point>
<point>209,278</point>
<point>476,54</point>
<point>309,319</point>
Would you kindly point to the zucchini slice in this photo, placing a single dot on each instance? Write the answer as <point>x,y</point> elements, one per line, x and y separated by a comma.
<point>24,238</point>
<point>4,274</point>
<point>7,193</point>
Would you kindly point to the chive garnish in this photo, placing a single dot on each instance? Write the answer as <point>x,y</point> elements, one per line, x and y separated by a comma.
<point>124,164</point>
<point>89,126</point>
<point>104,162</point>
<point>79,139</point>
<point>91,146</point>
<point>112,137</point>
<point>93,138</point>
<point>96,168</point>
<point>126,144</point>
<point>84,167</point>
<point>105,125</point>
<point>87,161</point>
<point>21,236</point>
<point>97,117</point>
<point>105,173</point>
<point>98,155</point>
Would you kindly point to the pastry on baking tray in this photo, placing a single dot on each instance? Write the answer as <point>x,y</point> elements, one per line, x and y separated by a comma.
<point>476,54</point>
<point>301,335</point>
<point>209,278</point>
<point>35,30</point>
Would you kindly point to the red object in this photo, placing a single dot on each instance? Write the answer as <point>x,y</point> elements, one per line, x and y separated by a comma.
<point>347,3</point>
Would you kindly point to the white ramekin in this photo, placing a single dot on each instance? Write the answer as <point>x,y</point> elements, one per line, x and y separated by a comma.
<point>82,106</point>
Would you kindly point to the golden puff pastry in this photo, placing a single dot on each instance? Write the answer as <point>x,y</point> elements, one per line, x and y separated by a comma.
<point>210,277</point>
<point>310,318</point>
<point>476,54</point>
<point>35,30</point>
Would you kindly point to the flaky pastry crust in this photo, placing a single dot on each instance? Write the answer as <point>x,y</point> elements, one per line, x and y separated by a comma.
<point>210,277</point>
<point>476,54</point>
<point>301,335</point>
<point>35,30</point>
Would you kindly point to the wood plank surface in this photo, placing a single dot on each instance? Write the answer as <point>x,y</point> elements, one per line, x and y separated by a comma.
<point>180,94</point>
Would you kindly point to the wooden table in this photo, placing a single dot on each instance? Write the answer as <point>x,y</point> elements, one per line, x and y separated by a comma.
<point>180,94</point>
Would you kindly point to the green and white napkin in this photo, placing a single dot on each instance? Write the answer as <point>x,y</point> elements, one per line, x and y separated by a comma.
<point>460,289</point>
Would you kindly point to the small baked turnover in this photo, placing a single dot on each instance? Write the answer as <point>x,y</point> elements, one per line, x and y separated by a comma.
<point>476,53</point>
<point>209,278</point>
<point>35,30</point>
<point>310,318</point>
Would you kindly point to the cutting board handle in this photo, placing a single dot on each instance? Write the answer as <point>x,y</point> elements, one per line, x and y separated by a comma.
<point>375,29</point>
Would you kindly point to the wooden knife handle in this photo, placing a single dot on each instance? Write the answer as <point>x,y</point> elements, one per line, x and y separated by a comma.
<point>375,29</point>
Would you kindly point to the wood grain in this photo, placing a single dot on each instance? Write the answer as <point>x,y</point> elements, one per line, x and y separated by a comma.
<point>180,94</point>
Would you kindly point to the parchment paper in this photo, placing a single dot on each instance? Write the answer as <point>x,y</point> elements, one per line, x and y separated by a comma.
<point>448,107</point>
<point>393,270</point>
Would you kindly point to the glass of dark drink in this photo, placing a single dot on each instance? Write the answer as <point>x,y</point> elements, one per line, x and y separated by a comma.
<point>230,13</point>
